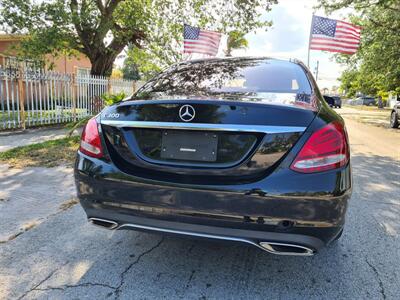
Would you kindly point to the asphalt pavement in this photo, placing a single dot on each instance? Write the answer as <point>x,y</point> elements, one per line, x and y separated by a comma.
<point>61,256</point>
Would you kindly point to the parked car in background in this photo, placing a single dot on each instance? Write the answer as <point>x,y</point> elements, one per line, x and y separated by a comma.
<point>333,101</point>
<point>329,100</point>
<point>395,116</point>
<point>338,101</point>
<point>355,101</point>
<point>366,100</point>
<point>239,149</point>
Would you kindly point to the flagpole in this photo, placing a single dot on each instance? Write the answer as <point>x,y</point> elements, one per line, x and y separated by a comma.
<point>309,40</point>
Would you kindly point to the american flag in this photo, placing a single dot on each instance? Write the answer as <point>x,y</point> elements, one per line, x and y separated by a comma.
<point>200,41</point>
<point>334,36</point>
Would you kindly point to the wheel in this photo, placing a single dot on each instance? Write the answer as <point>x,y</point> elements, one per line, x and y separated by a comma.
<point>339,106</point>
<point>394,120</point>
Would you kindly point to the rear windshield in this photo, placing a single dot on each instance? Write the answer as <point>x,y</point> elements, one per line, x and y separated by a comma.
<point>263,79</point>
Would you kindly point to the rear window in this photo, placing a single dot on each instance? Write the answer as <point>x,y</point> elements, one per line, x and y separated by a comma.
<point>263,79</point>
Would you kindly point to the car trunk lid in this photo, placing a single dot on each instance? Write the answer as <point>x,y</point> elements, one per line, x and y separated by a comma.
<point>223,141</point>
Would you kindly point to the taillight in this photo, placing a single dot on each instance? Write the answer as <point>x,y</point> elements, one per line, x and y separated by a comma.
<point>90,140</point>
<point>326,149</point>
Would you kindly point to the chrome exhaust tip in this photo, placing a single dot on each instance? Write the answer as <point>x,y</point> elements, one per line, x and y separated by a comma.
<point>286,249</point>
<point>103,223</point>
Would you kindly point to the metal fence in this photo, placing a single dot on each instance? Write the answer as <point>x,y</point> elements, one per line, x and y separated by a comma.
<point>35,97</point>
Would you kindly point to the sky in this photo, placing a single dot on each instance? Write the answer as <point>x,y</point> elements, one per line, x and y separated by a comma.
<point>288,38</point>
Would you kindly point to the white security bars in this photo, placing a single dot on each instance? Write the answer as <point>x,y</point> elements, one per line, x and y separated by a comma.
<point>36,97</point>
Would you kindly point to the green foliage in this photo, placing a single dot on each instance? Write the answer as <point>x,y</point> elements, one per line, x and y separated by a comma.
<point>102,29</point>
<point>236,40</point>
<point>147,62</point>
<point>359,80</point>
<point>350,82</point>
<point>110,99</point>
<point>117,73</point>
<point>130,69</point>
<point>375,69</point>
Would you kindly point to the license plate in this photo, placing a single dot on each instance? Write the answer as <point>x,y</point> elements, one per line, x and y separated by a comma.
<point>192,146</point>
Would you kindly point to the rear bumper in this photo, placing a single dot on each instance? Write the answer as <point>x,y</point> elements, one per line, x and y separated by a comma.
<point>307,210</point>
<point>273,242</point>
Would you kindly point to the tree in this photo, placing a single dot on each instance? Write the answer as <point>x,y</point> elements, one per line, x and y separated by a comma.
<point>148,63</point>
<point>375,69</point>
<point>101,29</point>
<point>350,82</point>
<point>236,40</point>
<point>130,70</point>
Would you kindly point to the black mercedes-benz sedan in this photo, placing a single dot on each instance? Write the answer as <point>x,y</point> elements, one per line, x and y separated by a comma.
<point>237,149</point>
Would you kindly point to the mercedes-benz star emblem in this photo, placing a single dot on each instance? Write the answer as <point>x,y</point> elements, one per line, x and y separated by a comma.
<point>187,113</point>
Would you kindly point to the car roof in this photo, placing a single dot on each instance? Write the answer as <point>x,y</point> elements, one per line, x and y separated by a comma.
<point>239,58</point>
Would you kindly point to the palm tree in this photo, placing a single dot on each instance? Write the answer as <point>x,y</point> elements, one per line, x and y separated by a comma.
<point>236,40</point>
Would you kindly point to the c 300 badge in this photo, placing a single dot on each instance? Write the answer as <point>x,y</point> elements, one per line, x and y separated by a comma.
<point>113,115</point>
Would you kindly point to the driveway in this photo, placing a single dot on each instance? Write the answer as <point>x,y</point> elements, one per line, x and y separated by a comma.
<point>61,256</point>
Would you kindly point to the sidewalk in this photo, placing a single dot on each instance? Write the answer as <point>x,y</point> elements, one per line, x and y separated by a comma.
<point>30,196</point>
<point>9,140</point>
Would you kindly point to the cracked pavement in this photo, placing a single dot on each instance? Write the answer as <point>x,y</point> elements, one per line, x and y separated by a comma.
<point>63,257</point>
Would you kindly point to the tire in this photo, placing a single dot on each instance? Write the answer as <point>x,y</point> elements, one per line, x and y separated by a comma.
<point>394,120</point>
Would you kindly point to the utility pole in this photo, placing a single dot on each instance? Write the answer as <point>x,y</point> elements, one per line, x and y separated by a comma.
<point>316,71</point>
